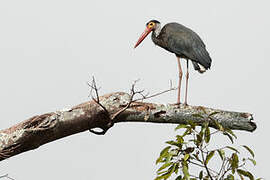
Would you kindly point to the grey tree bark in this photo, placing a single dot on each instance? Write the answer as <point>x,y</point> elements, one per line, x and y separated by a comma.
<point>111,108</point>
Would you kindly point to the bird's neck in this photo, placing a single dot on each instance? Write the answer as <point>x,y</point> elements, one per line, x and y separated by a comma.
<point>157,30</point>
<point>155,35</point>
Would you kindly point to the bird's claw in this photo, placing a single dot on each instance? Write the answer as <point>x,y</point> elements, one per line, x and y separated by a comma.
<point>176,104</point>
<point>185,104</point>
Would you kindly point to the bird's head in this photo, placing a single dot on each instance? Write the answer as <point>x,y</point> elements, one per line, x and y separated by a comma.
<point>150,26</point>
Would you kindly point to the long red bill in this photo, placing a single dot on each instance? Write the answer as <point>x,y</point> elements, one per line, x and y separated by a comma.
<point>143,36</point>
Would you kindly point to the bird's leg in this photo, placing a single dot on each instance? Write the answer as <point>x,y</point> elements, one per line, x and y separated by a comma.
<point>187,76</point>
<point>180,79</point>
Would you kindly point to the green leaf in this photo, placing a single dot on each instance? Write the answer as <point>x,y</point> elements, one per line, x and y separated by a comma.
<point>198,140</point>
<point>196,156</point>
<point>218,125</point>
<point>201,175</point>
<point>230,177</point>
<point>192,124</point>
<point>232,148</point>
<point>209,156</point>
<point>163,176</point>
<point>168,158</point>
<point>163,154</point>
<point>229,136</point>
<point>241,177</point>
<point>174,143</point>
<point>174,152</point>
<point>205,124</point>
<point>165,150</point>
<point>249,150</point>
<point>162,172</point>
<point>164,166</point>
<point>159,159</point>
<point>176,168</point>
<point>171,170</point>
<point>207,134</point>
<point>158,178</point>
<point>180,126</point>
<point>186,157</point>
<point>221,153</point>
<point>179,177</point>
<point>180,139</point>
<point>203,109</point>
<point>187,132</point>
<point>234,162</point>
<point>201,133</point>
<point>198,116</point>
<point>213,113</point>
<point>245,173</point>
<point>231,133</point>
<point>189,150</point>
<point>185,171</point>
<point>253,161</point>
<point>167,173</point>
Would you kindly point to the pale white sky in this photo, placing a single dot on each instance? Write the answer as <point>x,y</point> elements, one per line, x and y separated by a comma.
<point>50,49</point>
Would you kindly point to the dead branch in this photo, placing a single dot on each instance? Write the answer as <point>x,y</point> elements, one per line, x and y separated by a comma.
<point>103,112</point>
<point>112,117</point>
<point>6,176</point>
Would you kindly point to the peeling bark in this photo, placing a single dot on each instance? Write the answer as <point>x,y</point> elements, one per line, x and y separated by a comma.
<point>41,129</point>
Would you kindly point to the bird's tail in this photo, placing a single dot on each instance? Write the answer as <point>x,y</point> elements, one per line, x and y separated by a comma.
<point>202,58</point>
<point>198,67</point>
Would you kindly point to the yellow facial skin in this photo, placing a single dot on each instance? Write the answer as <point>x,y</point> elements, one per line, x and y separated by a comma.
<point>151,25</point>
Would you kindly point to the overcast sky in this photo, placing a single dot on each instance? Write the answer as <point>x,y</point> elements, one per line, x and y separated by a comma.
<point>50,49</point>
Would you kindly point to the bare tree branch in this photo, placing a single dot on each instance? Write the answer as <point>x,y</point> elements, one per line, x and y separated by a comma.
<point>112,117</point>
<point>6,176</point>
<point>102,112</point>
<point>93,87</point>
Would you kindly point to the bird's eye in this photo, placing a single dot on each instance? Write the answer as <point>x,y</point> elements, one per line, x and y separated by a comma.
<point>151,24</point>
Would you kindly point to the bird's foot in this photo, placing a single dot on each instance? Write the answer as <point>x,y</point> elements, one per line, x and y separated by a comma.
<point>176,104</point>
<point>186,104</point>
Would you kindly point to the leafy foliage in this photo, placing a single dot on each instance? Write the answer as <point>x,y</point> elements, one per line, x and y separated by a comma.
<point>189,157</point>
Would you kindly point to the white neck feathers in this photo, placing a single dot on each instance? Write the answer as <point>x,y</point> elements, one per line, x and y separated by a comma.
<point>157,29</point>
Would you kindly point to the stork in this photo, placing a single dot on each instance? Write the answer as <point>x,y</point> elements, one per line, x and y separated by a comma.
<point>184,43</point>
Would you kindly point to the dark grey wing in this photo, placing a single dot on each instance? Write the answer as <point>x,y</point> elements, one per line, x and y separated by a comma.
<point>185,42</point>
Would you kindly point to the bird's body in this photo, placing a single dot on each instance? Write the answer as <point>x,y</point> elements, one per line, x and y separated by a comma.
<point>184,42</point>
<point>181,41</point>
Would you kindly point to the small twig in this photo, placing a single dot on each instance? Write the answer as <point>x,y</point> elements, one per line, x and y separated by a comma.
<point>157,94</point>
<point>132,94</point>
<point>93,87</point>
<point>202,166</point>
<point>227,169</point>
<point>112,117</point>
<point>222,167</point>
<point>154,95</point>
<point>194,176</point>
<point>205,165</point>
<point>214,132</point>
<point>95,96</point>
<point>6,176</point>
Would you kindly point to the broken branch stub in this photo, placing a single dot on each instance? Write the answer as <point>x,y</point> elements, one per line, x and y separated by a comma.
<point>41,129</point>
